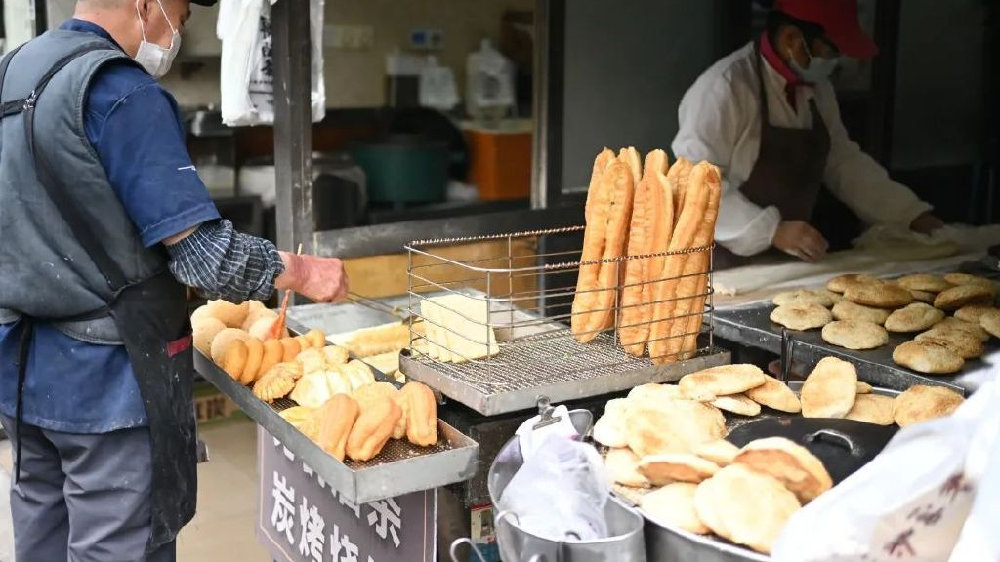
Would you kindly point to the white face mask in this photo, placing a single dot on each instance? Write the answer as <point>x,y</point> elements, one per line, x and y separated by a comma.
<point>154,58</point>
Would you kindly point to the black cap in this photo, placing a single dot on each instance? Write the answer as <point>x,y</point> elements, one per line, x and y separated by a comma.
<point>208,3</point>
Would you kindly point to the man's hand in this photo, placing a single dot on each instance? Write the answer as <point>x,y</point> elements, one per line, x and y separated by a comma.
<point>318,279</point>
<point>800,239</point>
<point>926,223</point>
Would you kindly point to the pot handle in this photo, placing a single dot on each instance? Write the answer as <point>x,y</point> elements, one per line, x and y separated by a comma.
<point>834,437</point>
<point>453,551</point>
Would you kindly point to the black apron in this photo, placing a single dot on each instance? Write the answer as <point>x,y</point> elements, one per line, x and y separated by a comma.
<point>152,322</point>
<point>788,174</point>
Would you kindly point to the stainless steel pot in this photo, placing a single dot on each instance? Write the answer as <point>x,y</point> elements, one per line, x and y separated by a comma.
<point>625,525</point>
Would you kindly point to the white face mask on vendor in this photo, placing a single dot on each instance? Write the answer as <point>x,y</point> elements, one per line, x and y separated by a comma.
<point>818,69</point>
<point>154,58</point>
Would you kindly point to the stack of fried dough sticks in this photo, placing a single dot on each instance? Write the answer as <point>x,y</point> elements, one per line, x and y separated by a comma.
<point>635,269</point>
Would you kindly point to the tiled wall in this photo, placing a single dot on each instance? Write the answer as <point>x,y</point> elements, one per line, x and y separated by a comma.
<point>356,78</point>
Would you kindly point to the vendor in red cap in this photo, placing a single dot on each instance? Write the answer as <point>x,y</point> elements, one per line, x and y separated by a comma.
<point>767,115</point>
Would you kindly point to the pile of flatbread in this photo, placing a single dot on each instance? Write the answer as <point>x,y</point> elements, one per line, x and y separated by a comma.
<point>635,213</point>
<point>857,311</point>
<point>667,448</point>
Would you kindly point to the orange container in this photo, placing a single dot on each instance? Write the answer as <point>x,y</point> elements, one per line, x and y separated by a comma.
<point>501,162</point>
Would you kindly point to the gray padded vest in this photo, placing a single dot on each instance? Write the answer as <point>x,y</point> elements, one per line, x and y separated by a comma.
<point>44,272</point>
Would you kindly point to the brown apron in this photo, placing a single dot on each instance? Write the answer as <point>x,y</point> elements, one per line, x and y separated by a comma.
<point>788,173</point>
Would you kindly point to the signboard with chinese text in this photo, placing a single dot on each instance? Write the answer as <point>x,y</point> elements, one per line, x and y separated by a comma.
<point>302,519</point>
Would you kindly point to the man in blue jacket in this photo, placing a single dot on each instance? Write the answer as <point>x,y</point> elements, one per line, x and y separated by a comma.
<point>103,221</point>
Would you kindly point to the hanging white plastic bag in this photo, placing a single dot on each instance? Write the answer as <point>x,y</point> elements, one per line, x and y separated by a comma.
<point>559,492</point>
<point>489,82</point>
<point>912,501</point>
<point>437,86</point>
<point>247,80</point>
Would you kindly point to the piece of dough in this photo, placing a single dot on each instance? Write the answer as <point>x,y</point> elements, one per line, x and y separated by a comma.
<point>708,384</point>
<point>924,402</point>
<point>801,317</point>
<point>880,295</point>
<point>273,353</point>
<point>744,506</point>
<point>928,357</point>
<point>661,470</point>
<point>737,404</point>
<point>421,414</point>
<point>221,341</point>
<point>791,464</point>
<point>652,222</point>
<point>855,334</point>
<point>673,505</point>
<point>830,390</point>
<point>775,395</point>
<point>847,310</point>
<point>601,162</point>
<point>872,408</point>
<point>957,297</point>
<point>924,282</point>
<point>914,317</point>
<point>623,468</point>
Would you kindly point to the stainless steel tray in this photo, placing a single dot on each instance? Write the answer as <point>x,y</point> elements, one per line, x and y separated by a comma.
<point>751,325</point>
<point>574,371</point>
<point>399,469</point>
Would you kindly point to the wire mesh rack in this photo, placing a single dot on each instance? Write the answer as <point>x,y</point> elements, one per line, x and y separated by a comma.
<point>495,332</point>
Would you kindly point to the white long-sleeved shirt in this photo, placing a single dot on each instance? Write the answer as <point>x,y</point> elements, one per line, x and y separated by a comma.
<point>720,121</point>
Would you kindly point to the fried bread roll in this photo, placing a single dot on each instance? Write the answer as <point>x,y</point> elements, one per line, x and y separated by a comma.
<point>600,163</point>
<point>692,214</point>
<point>421,406</point>
<point>273,353</point>
<point>652,224</point>
<point>604,238</point>
<point>684,333</point>
<point>373,428</point>
<point>255,356</point>
<point>336,419</point>
<point>235,359</point>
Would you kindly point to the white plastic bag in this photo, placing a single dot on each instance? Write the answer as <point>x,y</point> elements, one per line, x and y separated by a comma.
<point>244,27</point>
<point>912,501</point>
<point>437,86</point>
<point>489,83</point>
<point>559,492</point>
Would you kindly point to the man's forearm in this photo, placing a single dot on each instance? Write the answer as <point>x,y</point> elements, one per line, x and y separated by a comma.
<point>224,264</point>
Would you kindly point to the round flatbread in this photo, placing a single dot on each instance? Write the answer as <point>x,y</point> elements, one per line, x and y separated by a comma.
<point>708,384</point>
<point>675,428</point>
<point>720,452</point>
<point>847,310</point>
<point>801,316</point>
<point>971,328</point>
<point>840,283</point>
<point>623,468</point>
<point>963,295</point>
<point>863,388</point>
<point>928,357</point>
<point>673,505</point>
<point>745,507</point>
<point>610,430</point>
<point>855,334</point>
<point>880,295</point>
<point>990,321</point>
<point>872,408</point>
<point>790,463</point>
<point>914,317</point>
<point>664,469</point>
<point>830,389</point>
<point>804,296</point>
<point>923,296</point>
<point>973,312</point>
<point>968,279</point>
<point>654,393</point>
<point>924,282</point>
<point>775,395</point>
<point>961,342</point>
<point>924,402</point>
<point>737,404</point>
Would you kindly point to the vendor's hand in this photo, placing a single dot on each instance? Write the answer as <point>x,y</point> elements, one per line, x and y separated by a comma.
<point>318,279</point>
<point>926,223</point>
<point>800,239</point>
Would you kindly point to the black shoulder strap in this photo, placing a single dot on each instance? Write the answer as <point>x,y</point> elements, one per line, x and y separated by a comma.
<point>58,191</point>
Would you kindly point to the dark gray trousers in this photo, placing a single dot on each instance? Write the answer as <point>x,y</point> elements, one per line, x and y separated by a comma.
<point>82,498</point>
